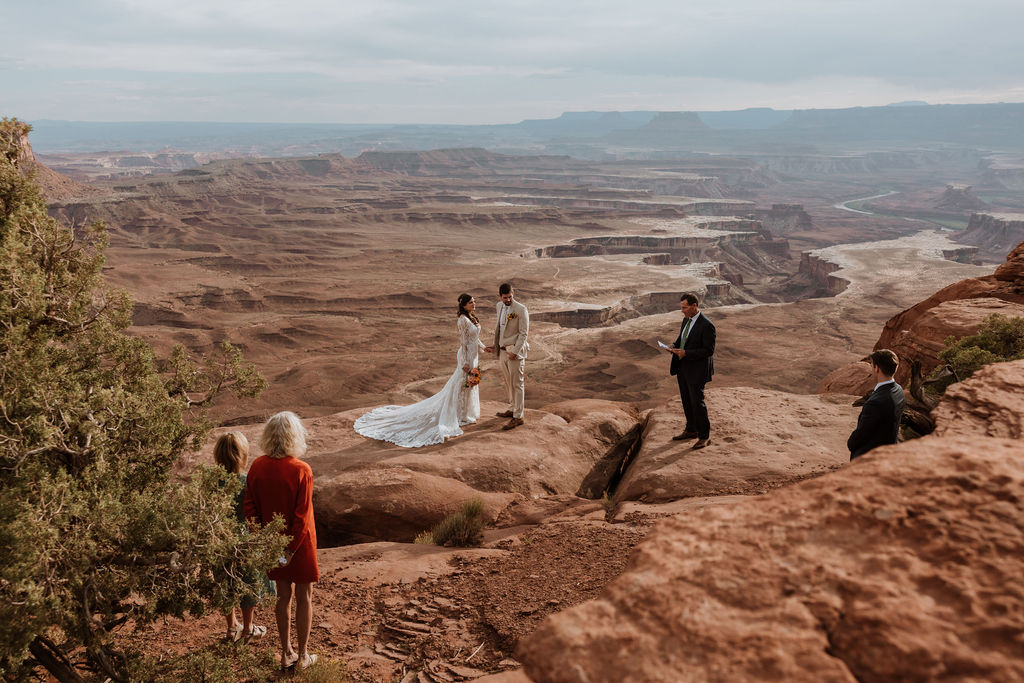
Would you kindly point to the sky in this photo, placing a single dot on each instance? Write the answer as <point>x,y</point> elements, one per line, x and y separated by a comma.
<point>492,61</point>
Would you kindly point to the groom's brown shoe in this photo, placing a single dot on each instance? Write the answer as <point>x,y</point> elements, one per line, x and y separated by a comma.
<point>703,443</point>
<point>685,436</point>
<point>507,413</point>
<point>513,423</point>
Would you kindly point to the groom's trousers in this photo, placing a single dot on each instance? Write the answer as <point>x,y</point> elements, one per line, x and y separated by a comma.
<point>514,372</point>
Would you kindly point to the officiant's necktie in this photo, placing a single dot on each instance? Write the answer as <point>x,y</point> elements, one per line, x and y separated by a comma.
<point>686,332</point>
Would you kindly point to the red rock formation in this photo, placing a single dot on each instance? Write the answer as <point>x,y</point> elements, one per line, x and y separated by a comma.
<point>372,490</point>
<point>761,439</point>
<point>903,566</point>
<point>820,271</point>
<point>989,403</point>
<point>919,333</point>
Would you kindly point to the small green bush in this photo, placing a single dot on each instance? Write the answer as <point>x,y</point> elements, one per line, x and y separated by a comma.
<point>462,528</point>
<point>217,663</point>
<point>999,339</point>
<point>325,671</point>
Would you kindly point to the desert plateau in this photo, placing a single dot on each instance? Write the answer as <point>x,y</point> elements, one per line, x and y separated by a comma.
<point>611,552</point>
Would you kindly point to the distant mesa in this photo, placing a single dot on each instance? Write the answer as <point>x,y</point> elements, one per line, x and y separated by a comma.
<point>909,103</point>
<point>960,197</point>
<point>675,121</point>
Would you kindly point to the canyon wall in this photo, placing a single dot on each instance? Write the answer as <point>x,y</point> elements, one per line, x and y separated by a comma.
<point>993,233</point>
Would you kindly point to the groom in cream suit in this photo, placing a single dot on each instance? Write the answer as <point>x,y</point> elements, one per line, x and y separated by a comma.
<point>511,346</point>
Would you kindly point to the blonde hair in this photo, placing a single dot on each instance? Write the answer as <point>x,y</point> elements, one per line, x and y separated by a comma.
<point>232,451</point>
<point>284,435</point>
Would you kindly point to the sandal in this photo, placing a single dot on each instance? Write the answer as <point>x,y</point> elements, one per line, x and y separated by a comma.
<point>255,632</point>
<point>307,661</point>
<point>233,634</point>
<point>288,663</point>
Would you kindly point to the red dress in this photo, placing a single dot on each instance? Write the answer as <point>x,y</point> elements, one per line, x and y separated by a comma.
<point>285,486</point>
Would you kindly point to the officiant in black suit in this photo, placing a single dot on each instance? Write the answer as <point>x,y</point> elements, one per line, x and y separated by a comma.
<point>693,365</point>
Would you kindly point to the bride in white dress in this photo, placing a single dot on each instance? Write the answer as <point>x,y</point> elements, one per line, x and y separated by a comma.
<point>434,419</point>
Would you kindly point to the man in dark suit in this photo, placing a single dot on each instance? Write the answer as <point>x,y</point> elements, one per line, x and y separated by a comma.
<point>693,365</point>
<point>879,421</point>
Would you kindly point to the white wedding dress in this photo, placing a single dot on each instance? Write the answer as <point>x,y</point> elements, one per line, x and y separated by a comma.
<point>433,419</point>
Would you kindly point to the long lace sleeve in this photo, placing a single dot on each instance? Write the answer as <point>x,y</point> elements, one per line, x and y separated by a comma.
<point>465,340</point>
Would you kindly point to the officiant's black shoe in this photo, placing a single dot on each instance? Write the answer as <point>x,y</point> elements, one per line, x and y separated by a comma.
<point>513,423</point>
<point>685,436</point>
<point>507,413</point>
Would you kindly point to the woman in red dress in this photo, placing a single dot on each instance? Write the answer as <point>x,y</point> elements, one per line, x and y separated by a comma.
<point>280,483</point>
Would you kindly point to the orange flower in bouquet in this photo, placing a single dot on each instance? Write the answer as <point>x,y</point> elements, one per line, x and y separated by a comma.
<point>473,377</point>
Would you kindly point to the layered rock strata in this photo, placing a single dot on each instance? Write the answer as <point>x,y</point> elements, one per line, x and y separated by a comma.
<point>993,233</point>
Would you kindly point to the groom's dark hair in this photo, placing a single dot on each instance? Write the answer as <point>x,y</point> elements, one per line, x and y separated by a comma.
<point>689,298</point>
<point>504,288</point>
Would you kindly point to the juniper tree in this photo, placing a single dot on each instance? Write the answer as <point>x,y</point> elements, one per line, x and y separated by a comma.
<point>94,530</point>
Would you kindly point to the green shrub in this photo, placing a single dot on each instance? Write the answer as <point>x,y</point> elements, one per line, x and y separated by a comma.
<point>95,532</point>
<point>217,663</point>
<point>462,528</point>
<point>999,339</point>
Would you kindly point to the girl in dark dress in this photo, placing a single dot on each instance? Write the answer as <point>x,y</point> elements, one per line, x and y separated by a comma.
<point>232,453</point>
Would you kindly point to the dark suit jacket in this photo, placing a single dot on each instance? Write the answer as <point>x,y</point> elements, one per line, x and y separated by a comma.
<point>698,365</point>
<point>879,421</point>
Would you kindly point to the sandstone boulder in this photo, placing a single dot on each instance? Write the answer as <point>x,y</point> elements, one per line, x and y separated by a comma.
<point>923,338</point>
<point>394,503</point>
<point>903,566</point>
<point>371,490</point>
<point>853,378</point>
<point>989,403</point>
<point>760,439</point>
<point>918,332</point>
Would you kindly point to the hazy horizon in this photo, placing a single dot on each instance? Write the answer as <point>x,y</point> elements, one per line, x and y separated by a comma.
<point>453,62</point>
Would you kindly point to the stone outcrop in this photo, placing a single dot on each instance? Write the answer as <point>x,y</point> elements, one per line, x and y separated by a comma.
<point>54,186</point>
<point>993,233</point>
<point>715,293</point>
<point>919,333</point>
<point>901,566</point>
<point>371,490</point>
<point>958,197</point>
<point>783,219</point>
<point>761,439</point>
<point>925,338</point>
<point>820,271</point>
<point>989,403</point>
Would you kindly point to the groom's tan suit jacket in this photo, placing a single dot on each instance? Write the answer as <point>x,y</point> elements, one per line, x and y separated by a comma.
<point>517,327</point>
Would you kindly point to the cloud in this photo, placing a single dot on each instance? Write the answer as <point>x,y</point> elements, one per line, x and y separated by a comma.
<point>523,50</point>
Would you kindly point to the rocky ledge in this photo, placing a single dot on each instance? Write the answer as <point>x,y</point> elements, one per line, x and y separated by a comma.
<point>904,566</point>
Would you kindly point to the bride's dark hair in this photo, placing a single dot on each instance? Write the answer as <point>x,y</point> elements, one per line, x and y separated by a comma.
<point>463,300</point>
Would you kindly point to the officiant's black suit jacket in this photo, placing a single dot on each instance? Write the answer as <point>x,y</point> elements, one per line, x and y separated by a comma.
<point>698,365</point>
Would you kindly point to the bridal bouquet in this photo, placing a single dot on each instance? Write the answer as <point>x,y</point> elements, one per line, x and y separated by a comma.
<point>473,377</point>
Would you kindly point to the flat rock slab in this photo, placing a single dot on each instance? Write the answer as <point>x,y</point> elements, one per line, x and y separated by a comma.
<point>760,439</point>
<point>903,566</point>
<point>391,563</point>
<point>368,490</point>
